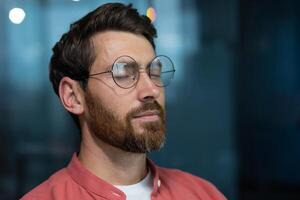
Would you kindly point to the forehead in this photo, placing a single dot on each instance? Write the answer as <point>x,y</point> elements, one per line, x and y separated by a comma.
<point>110,45</point>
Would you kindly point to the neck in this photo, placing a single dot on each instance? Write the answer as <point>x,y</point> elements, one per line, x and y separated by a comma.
<point>109,163</point>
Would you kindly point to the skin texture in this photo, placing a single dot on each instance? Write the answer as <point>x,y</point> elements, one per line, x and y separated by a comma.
<point>109,161</point>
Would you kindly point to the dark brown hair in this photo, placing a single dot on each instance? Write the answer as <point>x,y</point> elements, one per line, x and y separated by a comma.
<point>73,55</point>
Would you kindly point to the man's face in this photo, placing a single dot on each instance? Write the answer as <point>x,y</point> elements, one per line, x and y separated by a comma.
<point>130,119</point>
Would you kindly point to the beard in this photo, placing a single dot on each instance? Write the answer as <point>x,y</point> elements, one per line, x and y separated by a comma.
<point>120,133</point>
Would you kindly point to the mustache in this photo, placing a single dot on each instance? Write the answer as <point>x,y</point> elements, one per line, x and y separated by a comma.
<point>150,106</point>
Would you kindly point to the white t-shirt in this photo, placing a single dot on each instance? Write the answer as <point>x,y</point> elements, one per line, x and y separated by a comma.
<point>139,191</point>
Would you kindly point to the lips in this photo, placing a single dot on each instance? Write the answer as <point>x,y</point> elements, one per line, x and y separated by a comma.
<point>146,113</point>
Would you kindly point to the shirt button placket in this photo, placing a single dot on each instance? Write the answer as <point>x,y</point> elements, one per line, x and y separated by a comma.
<point>117,196</point>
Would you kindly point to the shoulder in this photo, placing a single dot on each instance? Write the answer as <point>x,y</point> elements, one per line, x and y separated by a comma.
<point>190,182</point>
<point>50,187</point>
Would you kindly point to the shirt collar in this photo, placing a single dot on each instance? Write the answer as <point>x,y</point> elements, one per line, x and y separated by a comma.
<point>156,180</point>
<point>96,185</point>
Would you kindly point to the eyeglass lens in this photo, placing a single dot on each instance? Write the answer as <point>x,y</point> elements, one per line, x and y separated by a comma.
<point>126,71</point>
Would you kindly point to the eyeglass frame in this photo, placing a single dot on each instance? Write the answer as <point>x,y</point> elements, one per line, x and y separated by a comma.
<point>133,85</point>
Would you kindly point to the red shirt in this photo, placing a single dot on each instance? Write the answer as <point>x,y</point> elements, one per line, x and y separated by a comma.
<point>77,183</point>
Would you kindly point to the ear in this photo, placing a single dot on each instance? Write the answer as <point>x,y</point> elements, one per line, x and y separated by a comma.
<point>71,95</point>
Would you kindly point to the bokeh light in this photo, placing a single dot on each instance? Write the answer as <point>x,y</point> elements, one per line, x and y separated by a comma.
<point>17,15</point>
<point>151,13</point>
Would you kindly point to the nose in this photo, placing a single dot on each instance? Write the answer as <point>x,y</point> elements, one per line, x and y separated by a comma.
<point>146,89</point>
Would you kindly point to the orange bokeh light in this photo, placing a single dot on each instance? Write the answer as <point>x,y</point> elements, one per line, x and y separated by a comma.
<point>151,13</point>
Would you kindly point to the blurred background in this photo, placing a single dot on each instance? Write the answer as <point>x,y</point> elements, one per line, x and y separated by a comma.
<point>233,108</point>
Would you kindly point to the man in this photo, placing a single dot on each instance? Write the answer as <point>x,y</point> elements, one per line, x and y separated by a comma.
<point>108,77</point>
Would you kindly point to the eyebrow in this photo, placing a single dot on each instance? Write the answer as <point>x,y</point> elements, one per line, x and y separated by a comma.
<point>109,68</point>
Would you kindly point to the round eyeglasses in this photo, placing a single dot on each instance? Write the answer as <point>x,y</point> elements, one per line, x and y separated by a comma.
<point>126,71</point>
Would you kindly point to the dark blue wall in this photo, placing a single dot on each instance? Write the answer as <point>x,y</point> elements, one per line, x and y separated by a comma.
<point>233,108</point>
<point>268,85</point>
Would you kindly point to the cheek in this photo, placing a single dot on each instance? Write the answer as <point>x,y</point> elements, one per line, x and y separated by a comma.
<point>115,99</point>
<point>161,98</point>
<point>119,105</point>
